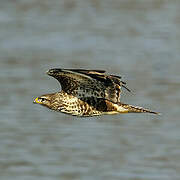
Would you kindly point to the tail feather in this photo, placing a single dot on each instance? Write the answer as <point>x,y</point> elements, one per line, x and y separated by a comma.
<point>127,108</point>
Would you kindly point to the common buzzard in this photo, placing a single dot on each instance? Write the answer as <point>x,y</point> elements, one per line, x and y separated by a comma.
<point>87,93</point>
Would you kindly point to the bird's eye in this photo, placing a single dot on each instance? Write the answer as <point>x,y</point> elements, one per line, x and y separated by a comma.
<point>43,99</point>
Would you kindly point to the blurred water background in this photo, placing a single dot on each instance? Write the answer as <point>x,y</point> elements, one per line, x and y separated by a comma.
<point>138,39</point>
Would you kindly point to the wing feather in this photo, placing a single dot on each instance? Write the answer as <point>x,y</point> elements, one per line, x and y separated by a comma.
<point>89,83</point>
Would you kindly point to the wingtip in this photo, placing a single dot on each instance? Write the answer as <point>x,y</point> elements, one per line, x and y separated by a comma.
<point>47,72</point>
<point>51,72</point>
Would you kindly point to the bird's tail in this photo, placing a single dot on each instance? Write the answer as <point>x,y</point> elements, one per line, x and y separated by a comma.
<point>126,108</point>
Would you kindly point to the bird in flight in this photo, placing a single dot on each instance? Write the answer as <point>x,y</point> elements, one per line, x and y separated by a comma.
<point>87,93</point>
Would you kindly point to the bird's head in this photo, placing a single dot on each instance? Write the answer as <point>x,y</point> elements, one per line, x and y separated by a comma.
<point>51,101</point>
<point>44,100</point>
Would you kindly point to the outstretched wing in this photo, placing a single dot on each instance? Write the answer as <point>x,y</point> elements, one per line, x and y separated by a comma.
<point>89,83</point>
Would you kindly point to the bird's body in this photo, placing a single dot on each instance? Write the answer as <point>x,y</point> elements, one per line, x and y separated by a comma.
<point>87,93</point>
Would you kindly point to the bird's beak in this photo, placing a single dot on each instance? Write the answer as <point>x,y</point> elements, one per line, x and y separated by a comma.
<point>36,100</point>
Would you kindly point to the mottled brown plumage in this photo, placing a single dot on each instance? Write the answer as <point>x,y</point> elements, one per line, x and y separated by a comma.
<point>87,93</point>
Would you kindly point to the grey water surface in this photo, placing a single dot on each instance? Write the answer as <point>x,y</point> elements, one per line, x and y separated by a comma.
<point>137,39</point>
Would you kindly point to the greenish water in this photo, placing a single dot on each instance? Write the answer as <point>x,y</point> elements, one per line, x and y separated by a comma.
<point>139,40</point>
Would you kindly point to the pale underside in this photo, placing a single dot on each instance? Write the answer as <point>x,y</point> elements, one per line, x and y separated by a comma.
<point>87,106</point>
